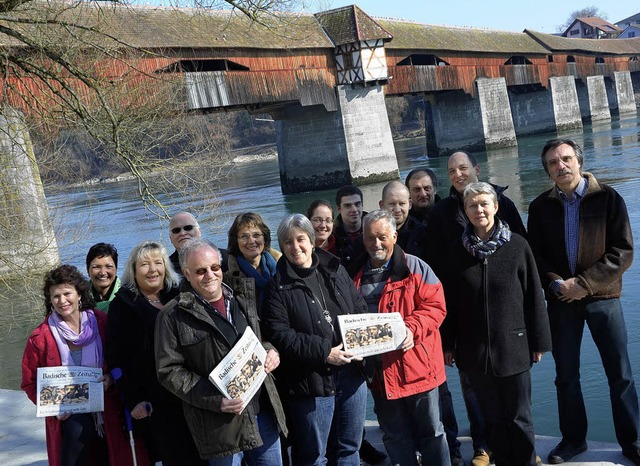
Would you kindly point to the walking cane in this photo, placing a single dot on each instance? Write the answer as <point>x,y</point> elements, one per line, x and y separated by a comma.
<point>116,374</point>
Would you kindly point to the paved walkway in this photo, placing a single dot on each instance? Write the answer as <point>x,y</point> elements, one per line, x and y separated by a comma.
<point>22,438</point>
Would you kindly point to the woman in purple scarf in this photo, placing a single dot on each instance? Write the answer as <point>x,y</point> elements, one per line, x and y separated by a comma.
<point>73,334</point>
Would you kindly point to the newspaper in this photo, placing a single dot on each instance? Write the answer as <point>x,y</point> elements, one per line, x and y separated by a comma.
<point>241,373</point>
<point>369,334</point>
<point>69,389</point>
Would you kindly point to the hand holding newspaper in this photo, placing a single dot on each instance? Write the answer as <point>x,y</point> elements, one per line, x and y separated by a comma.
<point>369,334</point>
<point>69,389</point>
<point>241,372</point>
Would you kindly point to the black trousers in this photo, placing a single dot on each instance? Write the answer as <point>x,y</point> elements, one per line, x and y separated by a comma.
<point>506,406</point>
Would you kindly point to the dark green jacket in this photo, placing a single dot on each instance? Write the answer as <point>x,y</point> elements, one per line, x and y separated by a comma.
<point>189,344</point>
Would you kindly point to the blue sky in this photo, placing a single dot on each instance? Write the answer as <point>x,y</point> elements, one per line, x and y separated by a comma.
<point>511,15</point>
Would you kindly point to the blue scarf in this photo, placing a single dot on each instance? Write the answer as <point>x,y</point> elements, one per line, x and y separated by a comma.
<point>268,266</point>
<point>500,235</point>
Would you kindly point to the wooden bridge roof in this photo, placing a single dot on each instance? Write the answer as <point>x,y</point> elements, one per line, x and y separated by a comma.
<point>410,35</point>
<point>593,46</point>
<point>166,27</point>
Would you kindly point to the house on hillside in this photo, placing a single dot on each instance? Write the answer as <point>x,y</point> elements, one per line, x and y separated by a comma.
<point>630,31</point>
<point>633,20</point>
<point>591,28</point>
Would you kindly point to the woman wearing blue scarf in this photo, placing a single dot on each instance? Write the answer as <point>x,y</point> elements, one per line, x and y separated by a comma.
<point>250,253</point>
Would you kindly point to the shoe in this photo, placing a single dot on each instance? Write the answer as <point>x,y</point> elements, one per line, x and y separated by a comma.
<point>370,454</point>
<point>456,459</point>
<point>564,451</point>
<point>633,454</point>
<point>480,458</point>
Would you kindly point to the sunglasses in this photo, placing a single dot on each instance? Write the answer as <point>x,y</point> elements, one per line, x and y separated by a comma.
<point>177,230</point>
<point>203,270</point>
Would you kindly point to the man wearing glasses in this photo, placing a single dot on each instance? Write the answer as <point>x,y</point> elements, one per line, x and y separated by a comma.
<point>194,332</point>
<point>182,227</point>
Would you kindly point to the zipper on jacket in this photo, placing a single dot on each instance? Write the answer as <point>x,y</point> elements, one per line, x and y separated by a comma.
<point>485,285</point>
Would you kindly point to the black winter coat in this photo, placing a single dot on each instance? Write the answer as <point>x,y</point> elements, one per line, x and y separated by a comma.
<point>295,324</point>
<point>412,238</point>
<point>496,313</point>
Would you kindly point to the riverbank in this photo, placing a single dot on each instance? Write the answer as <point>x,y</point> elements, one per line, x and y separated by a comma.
<point>22,438</point>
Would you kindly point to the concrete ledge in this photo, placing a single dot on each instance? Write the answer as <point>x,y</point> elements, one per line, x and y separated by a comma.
<point>22,438</point>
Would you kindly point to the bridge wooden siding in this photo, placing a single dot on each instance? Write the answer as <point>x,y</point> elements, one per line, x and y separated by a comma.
<point>295,61</point>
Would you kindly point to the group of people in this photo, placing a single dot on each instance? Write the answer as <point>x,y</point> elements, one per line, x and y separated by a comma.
<point>466,276</point>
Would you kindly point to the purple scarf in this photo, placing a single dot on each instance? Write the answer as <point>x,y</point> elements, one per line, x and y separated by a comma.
<point>89,339</point>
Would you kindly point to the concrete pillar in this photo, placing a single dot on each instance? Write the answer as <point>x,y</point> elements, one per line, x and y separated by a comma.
<point>28,243</point>
<point>457,123</point>
<point>532,112</point>
<point>598,101</point>
<point>322,150</point>
<point>497,123</point>
<point>624,92</point>
<point>565,103</point>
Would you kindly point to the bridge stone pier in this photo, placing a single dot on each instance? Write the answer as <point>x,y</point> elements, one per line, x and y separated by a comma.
<point>624,92</point>
<point>320,149</point>
<point>598,100</point>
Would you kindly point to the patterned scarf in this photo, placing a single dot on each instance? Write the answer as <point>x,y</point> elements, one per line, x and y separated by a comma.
<point>500,235</point>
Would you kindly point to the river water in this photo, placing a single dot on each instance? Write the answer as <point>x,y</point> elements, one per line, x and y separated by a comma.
<point>112,213</point>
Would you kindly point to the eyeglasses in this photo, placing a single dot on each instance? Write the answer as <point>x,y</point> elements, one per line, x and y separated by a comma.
<point>246,237</point>
<point>319,220</point>
<point>203,270</point>
<point>177,230</point>
<point>565,159</point>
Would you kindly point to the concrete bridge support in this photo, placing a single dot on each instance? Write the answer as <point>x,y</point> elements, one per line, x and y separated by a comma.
<point>497,122</point>
<point>624,92</point>
<point>565,103</point>
<point>320,150</point>
<point>598,101</point>
<point>27,244</point>
<point>532,112</point>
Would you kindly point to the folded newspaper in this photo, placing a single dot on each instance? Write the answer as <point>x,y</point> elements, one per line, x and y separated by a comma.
<point>369,334</point>
<point>69,389</point>
<point>241,373</point>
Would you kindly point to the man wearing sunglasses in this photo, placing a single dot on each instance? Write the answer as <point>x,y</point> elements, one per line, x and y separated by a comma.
<point>182,227</point>
<point>194,332</point>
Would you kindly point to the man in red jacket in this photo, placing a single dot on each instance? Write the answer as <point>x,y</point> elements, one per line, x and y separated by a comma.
<point>405,382</point>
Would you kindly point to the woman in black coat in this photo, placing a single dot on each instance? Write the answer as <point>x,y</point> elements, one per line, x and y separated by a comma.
<point>319,382</point>
<point>148,283</point>
<point>497,324</point>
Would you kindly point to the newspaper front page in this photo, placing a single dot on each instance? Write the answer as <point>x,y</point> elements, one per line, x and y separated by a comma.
<point>369,334</point>
<point>69,389</point>
<point>241,373</point>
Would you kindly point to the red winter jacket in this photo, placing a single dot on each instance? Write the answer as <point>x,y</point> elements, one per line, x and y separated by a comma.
<point>42,351</point>
<point>415,292</point>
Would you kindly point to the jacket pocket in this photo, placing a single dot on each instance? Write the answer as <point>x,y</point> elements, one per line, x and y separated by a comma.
<point>417,364</point>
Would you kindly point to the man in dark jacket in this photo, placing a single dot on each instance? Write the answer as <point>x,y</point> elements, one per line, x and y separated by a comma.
<point>182,227</point>
<point>348,224</point>
<point>194,332</point>
<point>446,226</point>
<point>582,241</point>
<point>422,184</point>
<point>412,235</point>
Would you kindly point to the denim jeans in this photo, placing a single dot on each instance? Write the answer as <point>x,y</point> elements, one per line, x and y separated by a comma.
<point>348,417</point>
<point>412,424</point>
<point>506,406</point>
<point>333,422</point>
<point>266,455</point>
<point>309,421</point>
<point>606,323</point>
<point>448,416</point>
